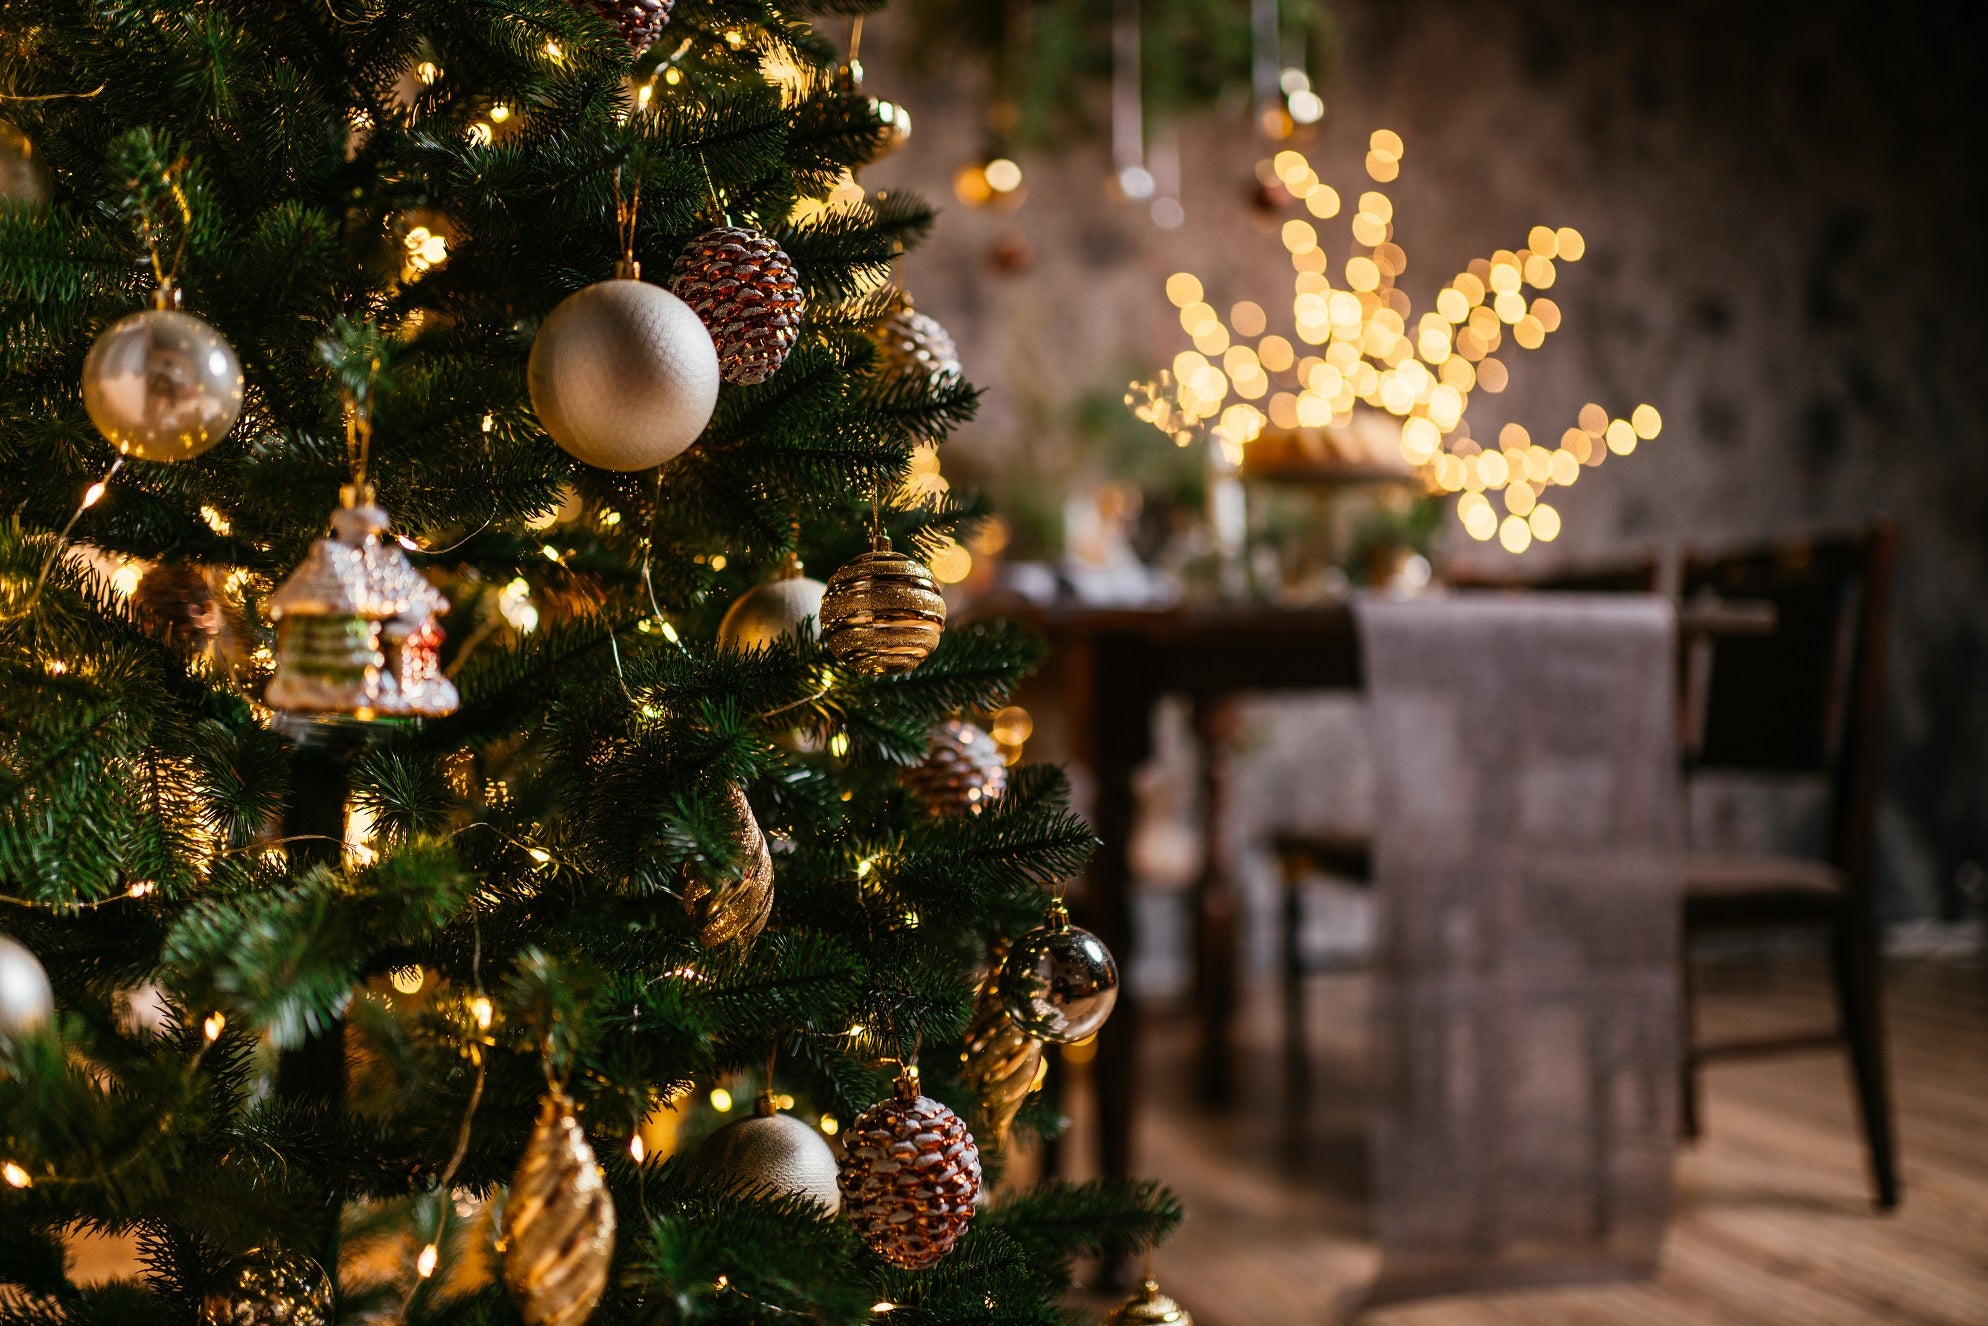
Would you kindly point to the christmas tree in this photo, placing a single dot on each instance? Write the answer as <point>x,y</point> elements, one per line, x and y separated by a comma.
<point>405,860</point>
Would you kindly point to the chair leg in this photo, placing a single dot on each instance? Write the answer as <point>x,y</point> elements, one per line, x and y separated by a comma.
<point>1687,1047</point>
<point>1860,1001</point>
<point>1297,1063</point>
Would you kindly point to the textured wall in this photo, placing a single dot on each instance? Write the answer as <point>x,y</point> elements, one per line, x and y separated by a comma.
<point>1783,211</point>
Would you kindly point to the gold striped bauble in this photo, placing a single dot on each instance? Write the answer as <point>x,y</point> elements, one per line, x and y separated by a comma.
<point>558,1222</point>
<point>882,614</point>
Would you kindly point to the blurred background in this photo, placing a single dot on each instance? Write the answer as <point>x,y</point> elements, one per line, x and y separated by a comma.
<point>1717,264</point>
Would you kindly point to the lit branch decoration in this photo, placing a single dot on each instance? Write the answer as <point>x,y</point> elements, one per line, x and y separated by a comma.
<point>1422,371</point>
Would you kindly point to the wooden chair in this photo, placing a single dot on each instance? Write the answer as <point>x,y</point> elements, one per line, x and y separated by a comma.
<point>1345,856</point>
<point>1804,698</point>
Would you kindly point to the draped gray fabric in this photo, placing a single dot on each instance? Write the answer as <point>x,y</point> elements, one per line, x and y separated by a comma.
<point>1527,863</point>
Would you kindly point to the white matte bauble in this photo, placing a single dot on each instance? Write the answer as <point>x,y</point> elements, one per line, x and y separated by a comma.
<point>162,385</point>
<point>781,606</point>
<point>772,1152</point>
<point>623,375</point>
<point>27,1001</point>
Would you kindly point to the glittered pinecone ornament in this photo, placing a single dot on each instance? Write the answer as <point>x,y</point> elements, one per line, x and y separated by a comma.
<point>1001,1062</point>
<point>1060,982</point>
<point>772,1152</point>
<point>176,602</point>
<point>266,1287</point>
<point>961,773</point>
<point>27,1001</point>
<point>744,287</point>
<point>1149,1307</point>
<point>733,907</point>
<point>162,385</point>
<point>913,347</point>
<point>882,614</point>
<point>910,1172</point>
<point>640,21</point>
<point>777,607</point>
<point>558,1228</point>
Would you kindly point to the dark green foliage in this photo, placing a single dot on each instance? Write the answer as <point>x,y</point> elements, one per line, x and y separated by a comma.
<point>232,1066</point>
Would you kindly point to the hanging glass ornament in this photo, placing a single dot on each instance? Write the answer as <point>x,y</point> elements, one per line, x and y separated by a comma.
<point>23,175</point>
<point>772,1152</point>
<point>27,1001</point>
<point>1001,1062</point>
<point>882,614</point>
<point>161,384</point>
<point>893,121</point>
<point>623,374</point>
<point>774,608</point>
<point>1060,982</point>
<point>270,1287</point>
<point>355,626</point>
<point>558,1226</point>
<point>1149,1307</point>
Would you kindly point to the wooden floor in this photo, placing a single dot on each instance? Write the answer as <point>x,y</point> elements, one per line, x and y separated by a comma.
<point>1774,1224</point>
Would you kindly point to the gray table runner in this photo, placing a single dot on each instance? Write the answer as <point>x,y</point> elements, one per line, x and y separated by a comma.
<point>1527,863</point>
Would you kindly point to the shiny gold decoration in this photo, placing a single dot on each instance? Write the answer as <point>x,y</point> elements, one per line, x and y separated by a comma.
<point>735,911</point>
<point>622,374</point>
<point>962,772</point>
<point>355,626</point>
<point>772,1152</point>
<point>882,614</point>
<point>1149,1307</point>
<point>777,607</point>
<point>23,176</point>
<point>271,1288</point>
<point>162,385</point>
<point>910,1173</point>
<point>1060,982</point>
<point>1001,1062</point>
<point>558,1230</point>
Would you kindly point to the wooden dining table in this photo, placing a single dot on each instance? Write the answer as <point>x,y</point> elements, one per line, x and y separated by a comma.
<point>1112,666</point>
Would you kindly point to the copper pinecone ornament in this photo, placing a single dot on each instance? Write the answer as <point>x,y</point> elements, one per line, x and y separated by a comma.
<point>175,601</point>
<point>640,21</point>
<point>910,1171</point>
<point>961,773</point>
<point>744,287</point>
<point>914,347</point>
<point>882,614</point>
<point>558,1223</point>
<point>735,910</point>
<point>1001,1062</point>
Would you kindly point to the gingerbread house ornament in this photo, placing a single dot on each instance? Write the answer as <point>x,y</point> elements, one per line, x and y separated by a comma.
<point>355,626</point>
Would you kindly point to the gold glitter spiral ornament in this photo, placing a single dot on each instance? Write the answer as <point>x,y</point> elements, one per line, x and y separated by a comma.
<point>1149,1307</point>
<point>267,1287</point>
<point>1001,1062</point>
<point>558,1230</point>
<point>734,910</point>
<point>882,614</point>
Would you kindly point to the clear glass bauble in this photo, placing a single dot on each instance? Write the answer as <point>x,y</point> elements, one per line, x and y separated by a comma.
<point>162,385</point>
<point>1059,983</point>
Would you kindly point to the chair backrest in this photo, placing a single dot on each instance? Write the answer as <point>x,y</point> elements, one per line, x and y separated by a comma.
<point>1805,697</point>
<point>1637,577</point>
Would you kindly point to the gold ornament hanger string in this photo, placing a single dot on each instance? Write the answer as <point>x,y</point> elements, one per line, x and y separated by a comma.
<point>627,210</point>
<point>716,200</point>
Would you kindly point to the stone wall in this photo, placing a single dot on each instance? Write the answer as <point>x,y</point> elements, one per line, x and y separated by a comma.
<point>1782,204</point>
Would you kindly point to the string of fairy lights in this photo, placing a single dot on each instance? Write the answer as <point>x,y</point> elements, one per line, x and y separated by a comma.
<point>1356,341</point>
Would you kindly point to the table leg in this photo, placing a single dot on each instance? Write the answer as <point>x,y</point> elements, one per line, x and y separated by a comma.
<point>1215,977</point>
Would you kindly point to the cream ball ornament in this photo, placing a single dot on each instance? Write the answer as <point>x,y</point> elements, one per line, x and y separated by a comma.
<point>26,999</point>
<point>623,374</point>
<point>774,608</point>
<point>772,1152</point>
<point>161,384</point>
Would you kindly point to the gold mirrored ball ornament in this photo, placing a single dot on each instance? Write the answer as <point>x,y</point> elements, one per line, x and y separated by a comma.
<point>271,1287</point>
<point>1059,982</point>
<point>162,385</point>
